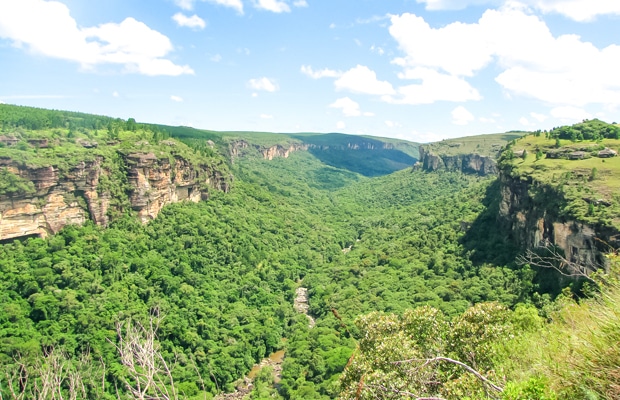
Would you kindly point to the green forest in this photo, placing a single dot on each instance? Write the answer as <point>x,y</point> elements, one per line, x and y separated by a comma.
<point>414,290</point>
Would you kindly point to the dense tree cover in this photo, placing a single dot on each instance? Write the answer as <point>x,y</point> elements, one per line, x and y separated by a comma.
<point>223,273</point>
<point>593,129</point>
<point>490,351</point>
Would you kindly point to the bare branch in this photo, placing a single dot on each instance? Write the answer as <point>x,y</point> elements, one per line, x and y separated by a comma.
<point>469,369</point>
<point>552,259</point>
<point>139,351</point>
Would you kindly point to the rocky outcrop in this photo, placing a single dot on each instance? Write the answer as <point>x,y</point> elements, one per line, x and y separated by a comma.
<point>281,151</point>
<point>240,148</point>
<point>466,163</point>
<point>58,200</point>
<point>529,213</point>
<point>68,197</point>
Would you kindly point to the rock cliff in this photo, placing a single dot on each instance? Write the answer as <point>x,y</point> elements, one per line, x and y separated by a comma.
<point>466,163</point>
<point>530,213</point>
<point>84,192</point>
<point>240,148</point>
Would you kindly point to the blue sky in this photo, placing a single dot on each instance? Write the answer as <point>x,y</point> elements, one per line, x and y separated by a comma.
<point>420,70</point>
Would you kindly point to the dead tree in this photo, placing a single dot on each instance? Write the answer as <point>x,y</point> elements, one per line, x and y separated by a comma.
<point>150,378</point>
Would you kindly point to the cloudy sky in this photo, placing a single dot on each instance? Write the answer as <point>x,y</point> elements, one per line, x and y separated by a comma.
<point>420,70</point>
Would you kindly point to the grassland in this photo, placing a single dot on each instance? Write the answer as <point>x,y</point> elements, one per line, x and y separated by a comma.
<point>489,145</point>
<point>591,185</point>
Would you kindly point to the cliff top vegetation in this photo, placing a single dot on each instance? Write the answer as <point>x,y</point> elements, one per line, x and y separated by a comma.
<point>580,160</point>
<point>485,145</point>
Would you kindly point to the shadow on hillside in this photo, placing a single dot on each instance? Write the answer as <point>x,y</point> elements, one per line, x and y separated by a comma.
<point>485,240</point>
<point>366,156</point>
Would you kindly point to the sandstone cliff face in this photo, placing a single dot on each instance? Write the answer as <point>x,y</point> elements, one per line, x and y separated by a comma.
<point>75,196</point>
<point>239,148</point>
<point>156,182</point>
<point>466,163</point>
<point>532,222</point>
<point>59,200</point>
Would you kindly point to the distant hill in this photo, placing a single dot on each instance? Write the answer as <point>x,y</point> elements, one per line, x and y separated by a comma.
<point>366,155</point>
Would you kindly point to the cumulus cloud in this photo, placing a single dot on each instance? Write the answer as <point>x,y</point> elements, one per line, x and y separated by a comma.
<point>349,107</point>
<point>434,86</point>
<point>570,114</point>
<point>362,79</point>
<point>300,3</point>
<point>538,117</point>
<point>265,84</point>
<point>178,99</point>
<point>578,10</point>
<point>341,125</point>
<point>460,116</point>
<point>194,22</point>
<point>275,6</point>
<point>47,28</point>
<point>323,73</point>
<point>561,71</point>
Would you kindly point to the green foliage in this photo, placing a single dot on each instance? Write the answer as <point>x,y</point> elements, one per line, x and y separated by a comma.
<point>587,130</point>
<point>11,184</point>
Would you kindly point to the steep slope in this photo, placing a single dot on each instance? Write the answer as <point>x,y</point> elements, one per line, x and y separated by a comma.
<point>562,192</point>
<point>52,176</point>
<point>369,156</point>
<point>471,155</point>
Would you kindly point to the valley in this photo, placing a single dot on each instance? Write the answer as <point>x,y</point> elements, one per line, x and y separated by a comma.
<point>342,254</point>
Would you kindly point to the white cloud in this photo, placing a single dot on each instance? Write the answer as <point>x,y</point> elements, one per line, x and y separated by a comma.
<point>578,10</point>
<point>47,28</point>
<point>341,125</point>
<point>538,117</point>
<point>263,83</point>
<point>300,3</point>
<point>185,4</point>
<point>266,116</point>
<point>561,70</point>
<point>254,94</point>
<point>236,4</point>
<point>194,22</point>
<point>377,49</point>
<point>216,58</point>
<point>189,4</point>
<point>570,114</point>
<point>434,5</point>
<point>457,48</point>
<point>361,79</point>
<point>392,124</point>
<point>460,116</point>
<point>115,94</point>
<point>323,73</point>
<point>349,107</point>
<point>176,98</point>
<point>524,121</point>
<point>368,114</point>
<point>486,120</point>
<point>275,6</point>
<point>434,86</point>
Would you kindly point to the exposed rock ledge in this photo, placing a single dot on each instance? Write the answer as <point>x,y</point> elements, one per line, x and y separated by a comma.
<point>466,163</point>
<point>76,196</point>
<point>532,223</point>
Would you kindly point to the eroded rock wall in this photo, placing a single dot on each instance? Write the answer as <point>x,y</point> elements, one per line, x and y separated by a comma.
<point>530,215</point>
<point>75,196</point>
<point>466,163</point>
